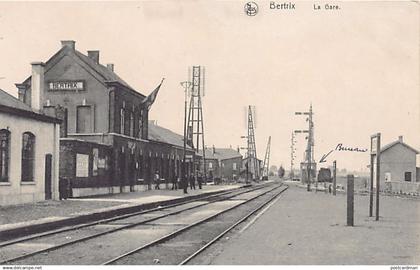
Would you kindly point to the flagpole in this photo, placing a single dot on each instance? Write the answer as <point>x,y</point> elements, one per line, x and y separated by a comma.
<point>186,85</point>
<point>150,99</point>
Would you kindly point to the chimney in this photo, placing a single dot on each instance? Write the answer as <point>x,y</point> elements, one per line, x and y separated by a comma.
<point>214,150</point>
<point>69,43</point>
<point>110,67</point>
<point>37,85</point>
<point>94,55</point>
<point>400,139</point>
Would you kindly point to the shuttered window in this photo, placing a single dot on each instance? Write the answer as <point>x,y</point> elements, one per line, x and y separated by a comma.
<point>84,119</point>
<point>28,156</point>
<point>131,124</point>
<point>122,120</point>
<point>140,131</point>
<point>4,155</point>
<point>407,176</point>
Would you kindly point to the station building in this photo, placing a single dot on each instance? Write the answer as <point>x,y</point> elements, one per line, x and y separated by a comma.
<point>167,148</point>
<point>29,151</point>
<point>400,170</point>
<point>105,146</point>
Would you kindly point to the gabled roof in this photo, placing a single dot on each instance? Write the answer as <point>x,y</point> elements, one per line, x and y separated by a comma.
<point>221,153</point>
<point>390,145</point>
<point>10,101</point>
<point>108,75</point>
<point>11,105</point>
<point>164,135</point>
<point>209,154</point>
<point>100,72</point>
<point>245,159</point>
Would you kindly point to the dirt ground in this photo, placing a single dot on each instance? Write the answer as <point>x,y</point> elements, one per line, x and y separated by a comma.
<point>310,228</point>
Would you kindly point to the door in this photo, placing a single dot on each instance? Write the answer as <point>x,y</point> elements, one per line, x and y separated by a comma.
<point>123,171</point>
<point>48,173</point>
<point>132,171</point>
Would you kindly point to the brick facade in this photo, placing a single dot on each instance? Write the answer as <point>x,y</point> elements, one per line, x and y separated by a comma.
<point>101,111</point>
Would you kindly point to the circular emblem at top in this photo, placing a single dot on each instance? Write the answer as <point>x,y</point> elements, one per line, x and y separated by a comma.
<point>251,8</point>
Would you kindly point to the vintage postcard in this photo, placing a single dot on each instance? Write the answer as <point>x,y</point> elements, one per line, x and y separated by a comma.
<point>196,132</point>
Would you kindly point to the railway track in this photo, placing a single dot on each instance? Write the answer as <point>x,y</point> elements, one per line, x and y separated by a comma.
<point>22,250</point>
<point>197,236</point>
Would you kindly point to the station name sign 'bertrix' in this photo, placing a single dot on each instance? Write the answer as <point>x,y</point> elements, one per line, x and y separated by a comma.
<point>66,86</point>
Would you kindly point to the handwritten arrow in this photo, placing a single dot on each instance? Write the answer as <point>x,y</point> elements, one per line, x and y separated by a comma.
<point>323,159</point>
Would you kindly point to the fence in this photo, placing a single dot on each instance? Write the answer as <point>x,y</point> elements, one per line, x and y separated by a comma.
<point>401,187</point>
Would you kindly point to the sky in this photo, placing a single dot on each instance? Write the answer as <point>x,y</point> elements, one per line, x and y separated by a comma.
<point>358,66</point>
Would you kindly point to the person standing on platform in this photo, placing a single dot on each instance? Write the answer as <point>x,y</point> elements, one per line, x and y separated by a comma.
<point>184,182</point>
<point>157,180</point>
<point>63,188</point>
<point>199,180</point>
<point>192,181</point>
<point>175,181</point>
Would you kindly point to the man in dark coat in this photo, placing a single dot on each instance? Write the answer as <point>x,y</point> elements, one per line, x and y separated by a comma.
<point>192,181</point>
<point>63,188</point>
<point>199,179</point>
<point>175,181</point>
<point>184,183</point>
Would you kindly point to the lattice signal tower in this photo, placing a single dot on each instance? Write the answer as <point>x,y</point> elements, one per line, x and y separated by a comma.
<point>252,149</point>
<point>266,164</point>
<point>195,126</point>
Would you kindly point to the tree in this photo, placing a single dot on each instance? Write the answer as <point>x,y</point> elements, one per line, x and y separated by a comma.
<point>281,172</point>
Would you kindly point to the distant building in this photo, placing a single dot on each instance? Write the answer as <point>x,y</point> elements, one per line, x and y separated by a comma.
<point>304,171</point>
<point>212,164</point>
<point>398,170</point>
<point>223,163</point>
<point>29,151</point>
<point>246,171</point>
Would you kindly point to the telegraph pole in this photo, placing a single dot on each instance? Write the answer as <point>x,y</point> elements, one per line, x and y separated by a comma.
<point>310,146</point>
<point>335,178</point>
<point>375,155</point>
<point>292,155</point>
<point>186,85</point>
<point>246,157</point>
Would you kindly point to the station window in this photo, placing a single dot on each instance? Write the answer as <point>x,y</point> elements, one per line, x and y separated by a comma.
<point>140,131</point>
<point>28,156</point>
<point>234,166</point>
<point>122,120</point>
<point>4,155</point>
<point>131,124</point>
<point>407,176</point>
<point>84,119</point>
<point>95,164</point>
